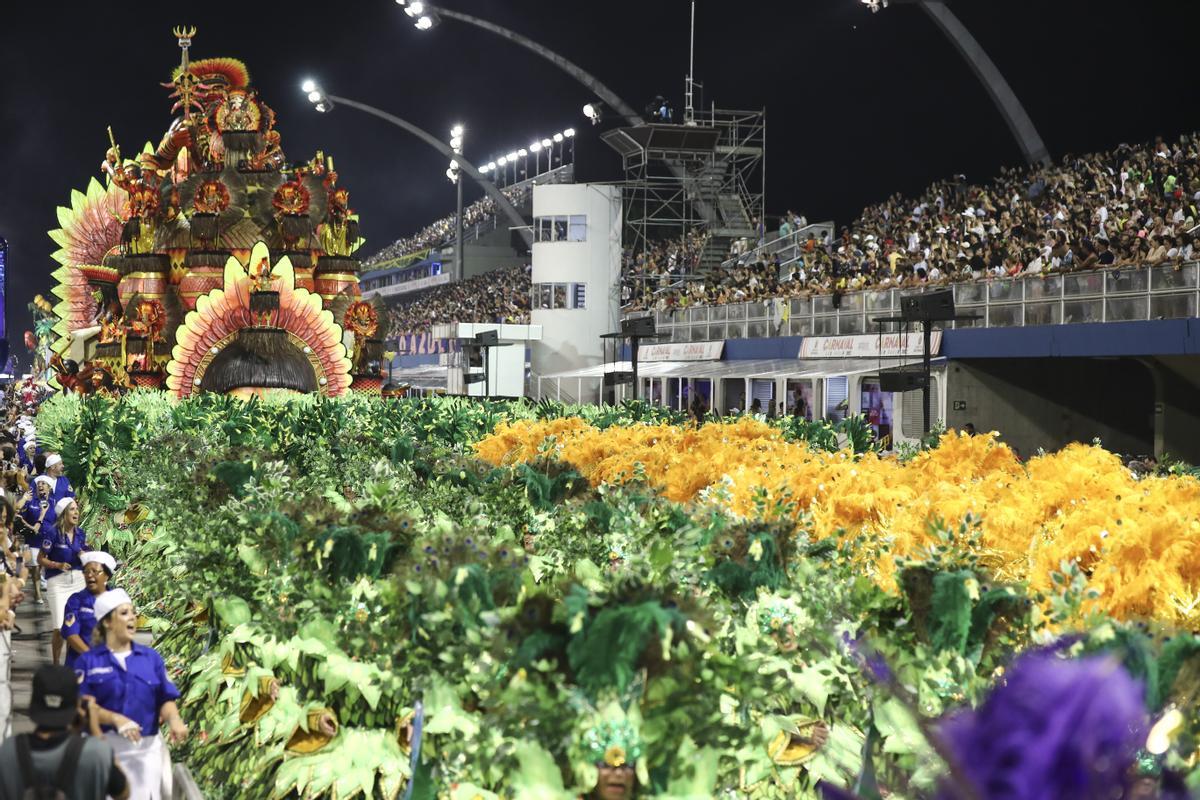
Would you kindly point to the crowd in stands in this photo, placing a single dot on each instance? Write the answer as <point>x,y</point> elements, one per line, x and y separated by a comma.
<point>501,295</point>
<point>1130,206</point>
<point>661,265</point>
<point>442,231</point>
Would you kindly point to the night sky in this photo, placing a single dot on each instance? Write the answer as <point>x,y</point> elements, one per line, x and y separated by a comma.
<point>859,105</point>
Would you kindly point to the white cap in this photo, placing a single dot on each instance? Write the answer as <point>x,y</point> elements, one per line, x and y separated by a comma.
<point>46,479</point>
<point>99,557</point>
<point>52,459</point>
<point>106,603</point>
<point>61,505</point>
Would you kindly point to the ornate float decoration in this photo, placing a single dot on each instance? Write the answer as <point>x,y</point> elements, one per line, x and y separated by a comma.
<point>211,239</point>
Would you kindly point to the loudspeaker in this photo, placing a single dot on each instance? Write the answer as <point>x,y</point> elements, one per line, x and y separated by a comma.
<point>474,377</point>
<point>638,326</point>
<point>487,339</point>
<point>901,381</point>
<point>616,378</point>
<point>936,306</point>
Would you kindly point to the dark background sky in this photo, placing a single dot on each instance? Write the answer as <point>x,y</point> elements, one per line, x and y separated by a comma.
<point>858,105</point>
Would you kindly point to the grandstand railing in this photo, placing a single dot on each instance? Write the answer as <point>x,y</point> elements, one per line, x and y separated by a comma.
<point>409,286</point>
<point>1112,295</point>
<point>794,241</point>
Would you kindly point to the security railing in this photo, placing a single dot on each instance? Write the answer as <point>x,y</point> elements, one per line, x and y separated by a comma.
<point>1112,295</point>
<point>787,246</point>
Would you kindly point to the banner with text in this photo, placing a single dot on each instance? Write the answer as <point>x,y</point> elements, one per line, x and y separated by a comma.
<point>681,351</point>
<point>889,345</point>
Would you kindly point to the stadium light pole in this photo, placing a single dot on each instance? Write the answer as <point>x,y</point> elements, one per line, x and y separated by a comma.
<point>456,144</point>
<point>1015,116</point>
<point>426,15</point>
<point>325,102</point>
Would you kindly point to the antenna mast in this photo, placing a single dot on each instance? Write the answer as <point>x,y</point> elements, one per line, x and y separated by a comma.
<point>689,111</point>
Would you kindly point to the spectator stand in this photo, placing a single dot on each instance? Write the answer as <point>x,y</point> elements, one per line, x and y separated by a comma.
<point>1022,245</point>
<point>678,178</point>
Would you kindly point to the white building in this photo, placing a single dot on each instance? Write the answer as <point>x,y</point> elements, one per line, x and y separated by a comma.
<point>576,277</point>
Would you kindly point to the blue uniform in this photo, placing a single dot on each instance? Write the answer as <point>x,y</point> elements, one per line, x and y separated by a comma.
<point>33,510</point>
<point>79,620</point>
<point>137,690</point>
<point>62,488</point>
<point>58,546</point>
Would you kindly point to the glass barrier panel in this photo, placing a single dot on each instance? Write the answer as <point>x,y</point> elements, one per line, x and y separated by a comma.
<point>698,314</point>
<point>756,310</point>
<point>879,301</point>
<point>1120,309</point>
<point>718,313</point>
<point>1173,277</point>
<point>737,311</point>
<point>1037,288</point>
<point>970,293</point>
<point>851,323</point>
<point>1128,280</point>
<point>1173,306</point>
<point>1082,311</point>
<point>699,333</point>
<point>1048,313</point>
<point>716,332</point>
<point>1083,283</point>
<point>852,302</point>
<point>822,304</point>
<point>824,326</point>
<point>663,318</point>
<point>735,330</point>
<point>801,326</point>
<point>1004,316</point>
<point>1004,290</point>
<point>758,330</point>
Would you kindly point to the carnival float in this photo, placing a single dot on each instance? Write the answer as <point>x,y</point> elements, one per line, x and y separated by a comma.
<point>210,262</point>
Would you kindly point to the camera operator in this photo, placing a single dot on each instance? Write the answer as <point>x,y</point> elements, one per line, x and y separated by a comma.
<point>56,754</point>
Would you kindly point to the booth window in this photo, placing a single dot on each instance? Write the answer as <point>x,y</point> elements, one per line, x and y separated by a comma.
<point>561,228</point>
<point>577,232</point>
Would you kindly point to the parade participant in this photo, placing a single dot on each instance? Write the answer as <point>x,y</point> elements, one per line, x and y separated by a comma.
<point>62,545</point>
<point>62,486</point>
<point>79,617</point>
<point>133,693</point>
<point>36,516</point>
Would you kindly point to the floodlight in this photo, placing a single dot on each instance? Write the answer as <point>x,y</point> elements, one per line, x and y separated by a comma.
<point>546,142</point>
<point>457,130</point>
<point>535,147</point>
<point>456,142</point>
<point>424,23</point>
<point>502,160</point>
<point>491,165</point>
<point>522,152</point>
<point>314,96</point>
<point>569,132</point>
<point>309,85</point>
<point>590,111</point>
<point>415,9</point>
<point>558,137</point>
<point>324,105</point>
<point>511,156</point>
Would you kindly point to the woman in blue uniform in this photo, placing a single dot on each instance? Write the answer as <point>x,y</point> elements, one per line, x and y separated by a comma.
<point>130,685</point>
<point>62,546</point>
<point>79,617</point>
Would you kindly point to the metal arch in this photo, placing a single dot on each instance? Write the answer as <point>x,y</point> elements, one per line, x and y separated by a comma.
<point>1031,144</point>
<point>502,203</point>
<point>607,95</point>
